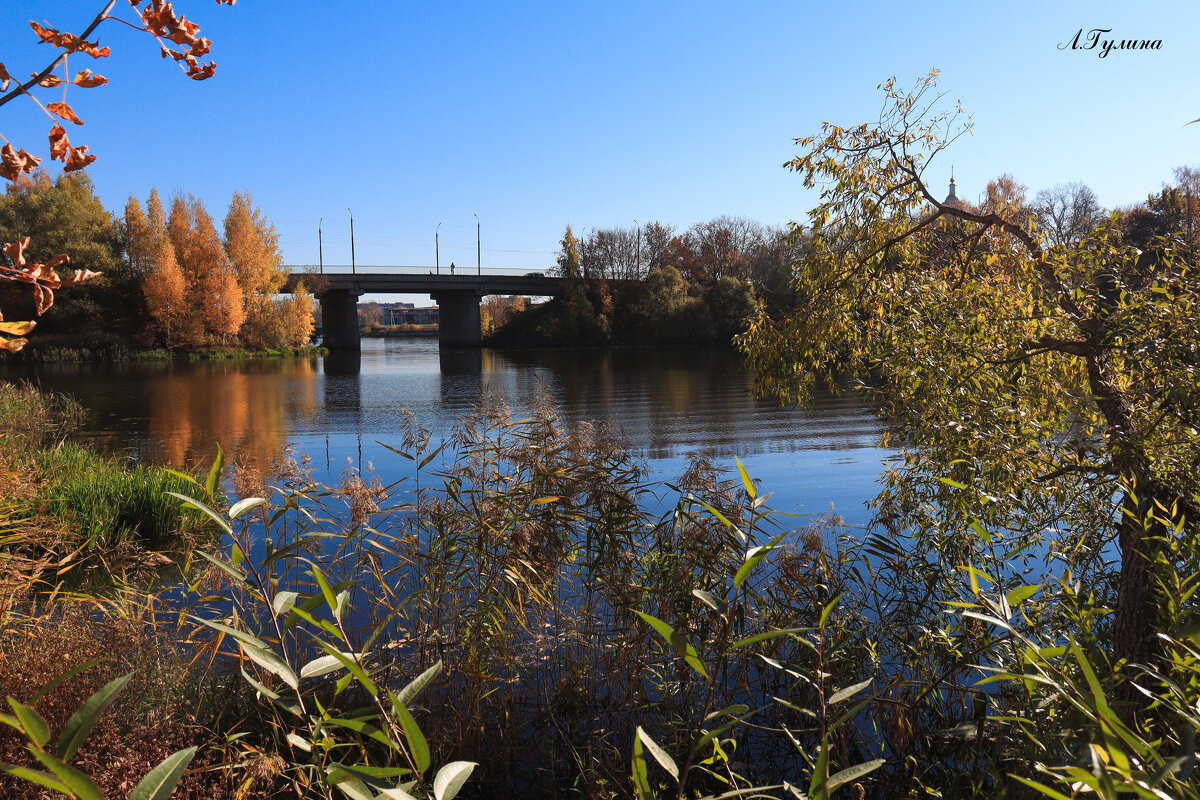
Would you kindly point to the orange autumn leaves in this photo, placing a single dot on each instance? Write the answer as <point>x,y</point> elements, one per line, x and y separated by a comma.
<point>178,39</point>
<point>43,277</point>
<point>158,18</point>
<point>202,289</point>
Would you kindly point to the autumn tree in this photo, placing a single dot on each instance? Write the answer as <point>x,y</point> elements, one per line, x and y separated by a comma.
<point>1066,213</point>
<point>166,291</point>
<point>178,38</point>
<point>1048,393</point>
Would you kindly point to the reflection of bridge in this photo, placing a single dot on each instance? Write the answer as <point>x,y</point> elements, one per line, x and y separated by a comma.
<point>457,297</point>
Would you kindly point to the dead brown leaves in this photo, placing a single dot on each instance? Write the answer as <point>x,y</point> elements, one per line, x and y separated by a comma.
<point>68,41</point>
<point>178,37</point>
<point>43,277</point>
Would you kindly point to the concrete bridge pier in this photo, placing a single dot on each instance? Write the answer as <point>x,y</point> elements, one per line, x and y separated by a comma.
<point>339,319</point>
<point>458,318</point>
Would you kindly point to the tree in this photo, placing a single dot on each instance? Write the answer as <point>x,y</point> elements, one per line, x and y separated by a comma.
<point>1054,388</point>
<point>1066,213</point>
<point>177,37</point>
<point>165,290</point>
<point>65,216</point>
<point>253,247</point>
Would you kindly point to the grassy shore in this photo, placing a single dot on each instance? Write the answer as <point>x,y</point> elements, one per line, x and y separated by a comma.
<point>524,603</point>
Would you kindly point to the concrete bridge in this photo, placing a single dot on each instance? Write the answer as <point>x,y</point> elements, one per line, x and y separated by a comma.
<point>457,296</point>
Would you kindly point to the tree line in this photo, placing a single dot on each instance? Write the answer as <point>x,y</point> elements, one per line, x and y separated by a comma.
<point>169,278</point>
<point>656,284</point>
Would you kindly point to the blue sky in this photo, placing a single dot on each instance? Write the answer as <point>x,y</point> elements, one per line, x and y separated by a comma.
<point>537,115</point>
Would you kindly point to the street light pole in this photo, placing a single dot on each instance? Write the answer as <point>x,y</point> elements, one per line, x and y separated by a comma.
<point>637,267</point>
<point>437,259</point>
<point>478,249</point>
<point>352,269</point>
<point>320,246</point>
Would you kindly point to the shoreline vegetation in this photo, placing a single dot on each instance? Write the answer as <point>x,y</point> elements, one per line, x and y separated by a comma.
<point>65,348</point>
<point>519,596</point>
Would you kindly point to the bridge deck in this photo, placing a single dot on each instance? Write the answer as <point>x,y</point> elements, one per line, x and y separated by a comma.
<point>423,282</point>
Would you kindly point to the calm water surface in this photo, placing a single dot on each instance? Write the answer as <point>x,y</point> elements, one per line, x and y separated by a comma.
<point>665,403</point>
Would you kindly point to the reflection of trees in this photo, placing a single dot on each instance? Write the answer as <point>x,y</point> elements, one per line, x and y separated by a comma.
<point>663,400</point>
<point>243,406</point>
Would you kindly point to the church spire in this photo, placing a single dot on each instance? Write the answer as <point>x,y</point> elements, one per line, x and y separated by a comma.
<point>952,198</point>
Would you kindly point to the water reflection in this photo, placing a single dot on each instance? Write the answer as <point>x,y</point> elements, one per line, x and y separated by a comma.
<point>664,402</point>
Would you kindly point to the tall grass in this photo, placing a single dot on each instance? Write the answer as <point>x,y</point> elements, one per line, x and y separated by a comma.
<point>106,502</point>
<point>30,417</point>
<point>526,603</point>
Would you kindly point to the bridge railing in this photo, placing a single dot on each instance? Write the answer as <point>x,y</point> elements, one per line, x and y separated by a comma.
<point>378,269</point>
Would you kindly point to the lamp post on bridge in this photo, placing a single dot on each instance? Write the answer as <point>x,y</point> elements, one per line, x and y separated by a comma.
<point>478,250</point>
<point>437,259</point>
<point>352,269</point>
<point>637,264</point>
<point>320,246</point>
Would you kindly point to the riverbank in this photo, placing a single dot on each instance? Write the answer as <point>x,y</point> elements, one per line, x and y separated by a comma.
<point>530,601</point>
<point>54,348</point>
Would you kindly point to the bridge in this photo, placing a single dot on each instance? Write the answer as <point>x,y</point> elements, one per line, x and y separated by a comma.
<point>339,287</point>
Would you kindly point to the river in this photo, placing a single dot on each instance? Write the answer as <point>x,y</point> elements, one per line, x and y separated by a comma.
<point>665,403</point>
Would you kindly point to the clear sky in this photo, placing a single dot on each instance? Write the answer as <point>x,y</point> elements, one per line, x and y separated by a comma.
<point>540,114</point>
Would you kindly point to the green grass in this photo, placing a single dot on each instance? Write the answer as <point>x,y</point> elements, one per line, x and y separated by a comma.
<point>107,502</point>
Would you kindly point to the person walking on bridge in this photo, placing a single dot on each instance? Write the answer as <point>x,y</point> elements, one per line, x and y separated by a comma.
<point>451,267</point>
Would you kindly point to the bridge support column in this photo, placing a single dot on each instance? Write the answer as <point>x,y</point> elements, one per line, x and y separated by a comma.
<point>458,318</point>
<point>339,319</point>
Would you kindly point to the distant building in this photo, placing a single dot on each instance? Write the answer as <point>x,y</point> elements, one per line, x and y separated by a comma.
<point>952,198</point>
<point>407,314</point>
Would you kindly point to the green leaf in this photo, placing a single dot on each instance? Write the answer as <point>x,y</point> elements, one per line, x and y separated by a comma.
<point>638,771</point>
<point>160,781</point>
<point>394,794</point>
<point>355,669</point>
<point>677,642</point>
<point>244,505</point>
<point>751,492</point>
<point>31,722</point>
<point>322,665</point>
<point>66,676</point>
<point>269,660</point>
<point>283,601</point>
<point>418,684</point>
<point>236,574</point>
<point>86,717</point>
<point>418,747</point>
<point>660,755</point>
<point>450,779</point>
<point>753,556</point>
<point>200,506</point>
<point>214,472</point>
<point>762,637</point>
<point>40,778</point>
<point>854,773</point>
<point>848,692</point>
<point>354,789</point>
<point>1021,594</point>
<point>712,601</point>
<point>1046,790</point>
<point>80,786</point>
